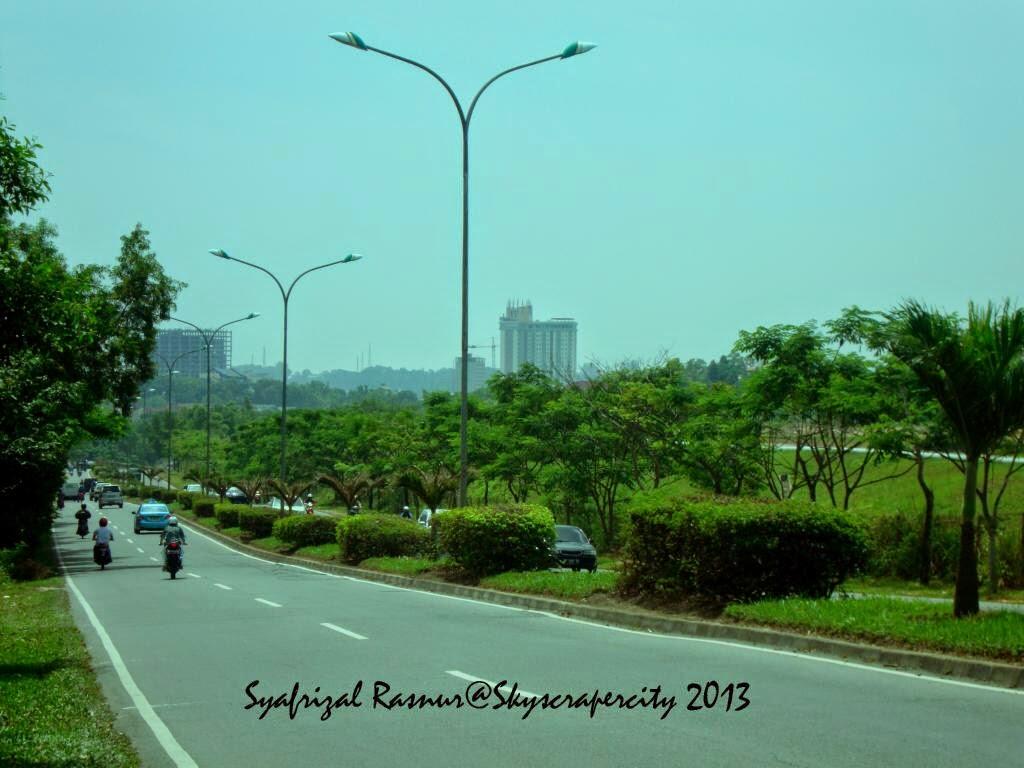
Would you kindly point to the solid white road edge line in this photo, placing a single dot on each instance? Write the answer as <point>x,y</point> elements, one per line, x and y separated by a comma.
<point>174,750</point>
<point>683,638</point>
<point>474,678</point>
<point>267,602</point>
<point>336,628</point>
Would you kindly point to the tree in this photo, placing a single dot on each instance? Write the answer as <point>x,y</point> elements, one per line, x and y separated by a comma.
<point>23,183</point>
<point>975,371</point>
<point>431,486</point>
<point>722,444</point>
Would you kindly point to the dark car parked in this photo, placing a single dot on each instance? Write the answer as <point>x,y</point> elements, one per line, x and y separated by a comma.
<point>236,496</point>
<point>573,549</point>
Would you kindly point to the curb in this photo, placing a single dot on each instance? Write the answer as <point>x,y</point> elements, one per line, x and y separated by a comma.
<point>938,665</point>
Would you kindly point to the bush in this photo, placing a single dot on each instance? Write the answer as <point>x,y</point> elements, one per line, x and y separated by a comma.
<point>489,540</point>
<point>203,507</point>
<point>157,494</point>
<point>257,522</point>
<point>131,491</point>
<point>738,550</point>
<point>894,543</point>
<point>186,499</point>
<point>306,530</point>
<point>227,514</point>
<point>375,535</point>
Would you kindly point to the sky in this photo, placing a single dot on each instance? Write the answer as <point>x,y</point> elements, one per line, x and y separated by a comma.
<point>710,167</point>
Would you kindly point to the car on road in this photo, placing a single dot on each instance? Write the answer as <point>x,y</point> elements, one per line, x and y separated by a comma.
<point>425,516</point>
<point>573,549</point>
<point>236,496</point>
<point>150,516</point>
<point>95,491</point>
<point>193,488</point>
<point>111,496</point>
<point>69,491</point>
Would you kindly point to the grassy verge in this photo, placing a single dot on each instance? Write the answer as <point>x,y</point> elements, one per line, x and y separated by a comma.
<point>269,543</point>
<point>882,587</point>
<point>920,626</point>
<point>321,551</point>
<point>406,566</point>
<point>52,711</point>
<point>564,584</point>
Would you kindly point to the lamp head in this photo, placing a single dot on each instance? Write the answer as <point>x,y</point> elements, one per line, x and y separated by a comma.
<point>349,38</point>
<point>252,315</point>
<point>221,253</point>
<point>351,257</point>
<point>575,49</point>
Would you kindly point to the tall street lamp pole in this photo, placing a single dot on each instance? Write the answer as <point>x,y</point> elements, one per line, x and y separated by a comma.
<point>170,413</point>
<point>285,295</point>
<point>208,338</point>
<point>145,399</point>
<point>573,49</point>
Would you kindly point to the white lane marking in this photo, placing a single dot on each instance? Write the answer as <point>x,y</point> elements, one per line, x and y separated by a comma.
<point>212,540</point>
<point>131,541</point>
<point>174,750</point>
<point>342,631</point>
<point>141,550</point>
<point>474,678</point>
<point>680,638</point>
<point>153,559</point>
<point>195,575</point>
<point>268,602</point>
<point>222,586</point>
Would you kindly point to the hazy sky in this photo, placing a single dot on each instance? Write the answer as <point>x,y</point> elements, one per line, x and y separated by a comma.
<point>710,167</point>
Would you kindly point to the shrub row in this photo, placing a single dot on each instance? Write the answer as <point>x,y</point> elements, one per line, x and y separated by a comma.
<point>495,539</point>
<point>257,522</point>
<point>227,514</point>
<point>203,507</point>
<point>306,530</point>
<point>377,535</point>
<point>726,550</point>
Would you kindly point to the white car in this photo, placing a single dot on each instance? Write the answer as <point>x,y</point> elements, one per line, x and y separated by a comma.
<point>424,518</point>
<point>193,488</point>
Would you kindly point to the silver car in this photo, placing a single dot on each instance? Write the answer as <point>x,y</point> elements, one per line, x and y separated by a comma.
<point>111,497</point>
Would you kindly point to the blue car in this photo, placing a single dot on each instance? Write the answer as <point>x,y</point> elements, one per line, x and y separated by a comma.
<point>151,516</point>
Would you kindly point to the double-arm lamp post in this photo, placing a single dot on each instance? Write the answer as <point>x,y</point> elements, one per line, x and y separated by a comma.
<point>285,295</point>
<point>170,413</point>
<point>208,339</point>
<point>573,49</point>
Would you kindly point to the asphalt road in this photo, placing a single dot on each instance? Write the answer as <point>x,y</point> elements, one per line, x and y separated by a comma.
<point>175,659</point>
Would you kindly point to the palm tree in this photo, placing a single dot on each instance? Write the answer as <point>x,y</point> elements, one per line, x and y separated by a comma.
<point>151,473</point>
<point>430,486</point>
<point>289,493</point>
<point>347,487</point>
<point>250,486</point>
<point>975,371</point>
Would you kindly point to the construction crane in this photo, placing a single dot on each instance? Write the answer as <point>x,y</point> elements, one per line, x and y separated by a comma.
<point>492,346</point>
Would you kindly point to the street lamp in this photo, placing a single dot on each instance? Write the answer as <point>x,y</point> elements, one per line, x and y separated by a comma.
<point>208,338</point>
<point>170,414</point>
<point>145,399</point>
<point>284,364</point>
<point>573,49</point>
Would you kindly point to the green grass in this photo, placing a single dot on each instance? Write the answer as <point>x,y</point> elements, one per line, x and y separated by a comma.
<point>268,543</point>
<point>921,626</point>
<point>406,566</point>
<point>51,709</point>
<point>329,551</point>
<point>563,584</point>
<point>883,587</point>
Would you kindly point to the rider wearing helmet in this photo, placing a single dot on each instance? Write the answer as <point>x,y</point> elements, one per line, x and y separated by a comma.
<point>174,532</point>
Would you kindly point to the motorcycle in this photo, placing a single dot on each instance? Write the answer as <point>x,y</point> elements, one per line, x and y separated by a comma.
<point>83,523</point>
<point>101,555</point>
<point>172,557</point>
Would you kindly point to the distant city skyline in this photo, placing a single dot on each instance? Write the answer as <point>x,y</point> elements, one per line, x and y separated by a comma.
<point>708,168</point>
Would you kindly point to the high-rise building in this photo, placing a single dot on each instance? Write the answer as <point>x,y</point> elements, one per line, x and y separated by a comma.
<point>476,374</point>
<point>548,344</point>
<point>172,342</point>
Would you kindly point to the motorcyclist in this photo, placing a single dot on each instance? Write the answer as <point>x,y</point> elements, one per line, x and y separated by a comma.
<point>82,516</point>
<point>173,532</point>
<point>310,507</point>
<point>102,536</point>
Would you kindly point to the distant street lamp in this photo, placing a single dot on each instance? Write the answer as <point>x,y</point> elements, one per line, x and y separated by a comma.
<point>208,338</point>
<point>145,397</point>
<point>170,413</point>
<point>285,295</point>
<point>573,49</point>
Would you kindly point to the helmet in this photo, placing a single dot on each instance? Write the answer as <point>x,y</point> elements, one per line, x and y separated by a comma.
<point>172,520</point>
<point>103,521</point>
<point>84,505</point>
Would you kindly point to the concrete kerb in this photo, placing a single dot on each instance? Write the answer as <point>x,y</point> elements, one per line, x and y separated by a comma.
<point>976,670</point>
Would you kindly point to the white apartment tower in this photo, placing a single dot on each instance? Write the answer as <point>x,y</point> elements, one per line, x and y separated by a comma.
<point>548,344</point>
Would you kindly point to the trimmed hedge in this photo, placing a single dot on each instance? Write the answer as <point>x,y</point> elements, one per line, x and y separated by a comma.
<point>186,499</point>
<point>489,540</point>
<point>306,530</point>
<point>738,550</point>
<point>258,522</point>
<point>376,535</point>
<point>227,514</point>
<point>203,507</point>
